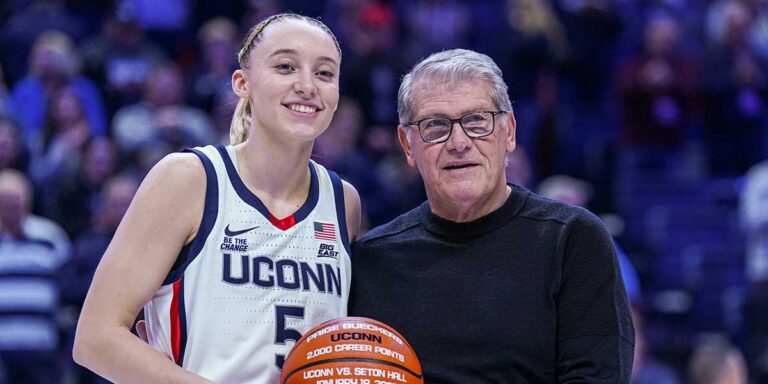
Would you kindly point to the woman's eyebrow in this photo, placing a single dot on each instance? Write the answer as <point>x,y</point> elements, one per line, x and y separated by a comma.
<point>290,51</point>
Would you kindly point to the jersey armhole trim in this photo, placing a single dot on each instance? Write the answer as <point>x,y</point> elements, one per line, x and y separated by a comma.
<point>210,211</point>
<point>341,216</point>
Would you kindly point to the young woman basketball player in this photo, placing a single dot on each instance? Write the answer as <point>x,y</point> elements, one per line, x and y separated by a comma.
<point>233,251</point>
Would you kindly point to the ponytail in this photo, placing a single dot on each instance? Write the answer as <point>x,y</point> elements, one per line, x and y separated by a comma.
<point>241,120</point>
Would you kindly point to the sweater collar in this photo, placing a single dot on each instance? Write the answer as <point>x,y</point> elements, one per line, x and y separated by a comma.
<point>482,225</point>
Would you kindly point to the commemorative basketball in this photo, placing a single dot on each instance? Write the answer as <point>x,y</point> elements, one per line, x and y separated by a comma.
<point>352,350</point>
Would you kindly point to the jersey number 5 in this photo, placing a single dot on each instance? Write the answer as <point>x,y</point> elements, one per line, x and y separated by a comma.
<point>283,334</point>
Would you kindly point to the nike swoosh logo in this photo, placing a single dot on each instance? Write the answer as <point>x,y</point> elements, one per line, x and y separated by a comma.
<point>235,233</point>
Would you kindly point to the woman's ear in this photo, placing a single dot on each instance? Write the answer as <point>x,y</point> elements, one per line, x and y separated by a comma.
<point>240,83</point>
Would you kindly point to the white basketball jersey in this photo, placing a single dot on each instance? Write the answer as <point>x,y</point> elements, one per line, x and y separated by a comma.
<point>249,285</point>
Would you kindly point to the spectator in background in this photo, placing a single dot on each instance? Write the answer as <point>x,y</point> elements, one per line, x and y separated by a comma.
<point>535,42</point>
<point>88,248</point>
<point>338,149</point>
<point>550,150</point>
<point>754,218</point>
<point>390,169</point>
<point>221,116</point>
<point>121,59</point>
<point>434,25</point>
<point>54,65</point>
<point>658,86</point>
<point>165,21</point>
<point>717,363</point>
<point>339,142</point>
<point>369,33</point>
<point>257,11</point>
<point>13,151</point>
<point>82,190</point>
<point>32,251</point>
<point>759,35</point>
<point>161,114</point>
<point>736,94</point>
<point>232,10</point>
<point>19,228</point>
<point>211,79</point>
<point>566,189</point>
<point>29,19</point>
<point>518,168</point>
<point>754,221</point>
<point>647,369</point>
<point>57,150</point>
<point>148,155</point>
<point>593,28</point>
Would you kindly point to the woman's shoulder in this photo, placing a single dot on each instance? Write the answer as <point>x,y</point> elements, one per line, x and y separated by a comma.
<point>177,171</point>
<point>180,161</point>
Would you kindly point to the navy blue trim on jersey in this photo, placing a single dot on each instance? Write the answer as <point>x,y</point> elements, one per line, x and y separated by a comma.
<point>341,216</point>
<point>210,211</point>
<point>255,202</point>
<point>182,323</point>
<point>312,197</point>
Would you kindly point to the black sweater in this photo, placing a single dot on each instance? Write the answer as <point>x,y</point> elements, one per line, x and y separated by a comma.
<point>531,293</point>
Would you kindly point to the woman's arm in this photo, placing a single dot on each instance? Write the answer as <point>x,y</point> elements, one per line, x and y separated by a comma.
<point>164,215</point>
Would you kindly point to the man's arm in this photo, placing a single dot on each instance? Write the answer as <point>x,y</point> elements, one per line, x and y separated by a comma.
<point>595,336</point>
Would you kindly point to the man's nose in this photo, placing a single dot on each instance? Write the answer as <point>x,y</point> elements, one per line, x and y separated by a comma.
<point>459,141</point>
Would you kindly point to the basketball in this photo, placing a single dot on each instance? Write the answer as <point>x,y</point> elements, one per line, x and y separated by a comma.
<point>352,350</point>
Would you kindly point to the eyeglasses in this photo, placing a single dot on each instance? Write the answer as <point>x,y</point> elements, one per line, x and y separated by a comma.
<point>475,125</point>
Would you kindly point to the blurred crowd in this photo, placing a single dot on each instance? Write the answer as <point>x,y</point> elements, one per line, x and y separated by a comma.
<point>651,113</point>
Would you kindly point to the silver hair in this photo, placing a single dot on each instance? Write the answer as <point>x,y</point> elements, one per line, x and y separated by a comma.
<point>449,67</point>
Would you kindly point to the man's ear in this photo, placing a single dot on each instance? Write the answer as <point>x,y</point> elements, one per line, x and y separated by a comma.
<point>405,142</point>
<point>240,83</point>
<point>509,140</point>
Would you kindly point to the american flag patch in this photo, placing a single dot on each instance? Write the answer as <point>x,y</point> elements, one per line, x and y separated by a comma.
<point>325,231</point>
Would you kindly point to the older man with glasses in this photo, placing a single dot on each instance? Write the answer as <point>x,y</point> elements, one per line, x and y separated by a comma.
<point>489,282</point>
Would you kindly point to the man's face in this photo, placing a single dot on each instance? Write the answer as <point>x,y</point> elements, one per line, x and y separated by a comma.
<point>460,170</point>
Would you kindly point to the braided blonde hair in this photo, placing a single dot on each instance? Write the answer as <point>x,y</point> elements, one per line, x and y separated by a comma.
<point>241,120</point>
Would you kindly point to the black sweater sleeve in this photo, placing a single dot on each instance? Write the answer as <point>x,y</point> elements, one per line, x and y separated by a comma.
<point>595,337</point>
